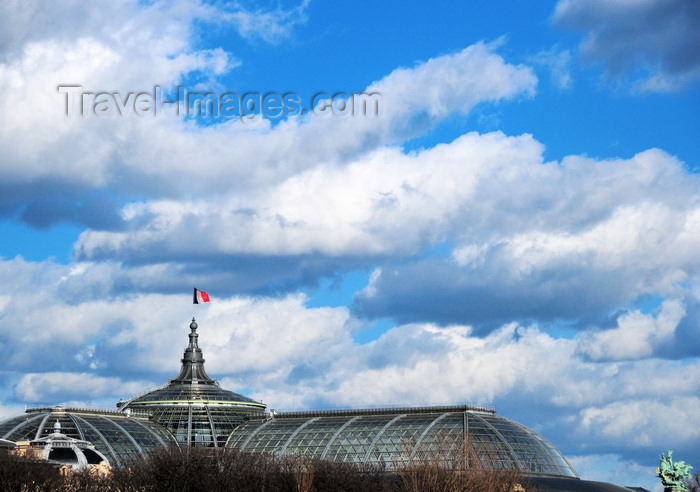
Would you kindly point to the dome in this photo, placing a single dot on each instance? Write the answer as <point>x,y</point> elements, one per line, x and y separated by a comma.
<point>392,438</point>
<point>192,405</point>
<point>116,436</point>
<point>64,450</point>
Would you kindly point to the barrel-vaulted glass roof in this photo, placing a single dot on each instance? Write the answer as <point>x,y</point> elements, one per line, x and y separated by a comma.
<point>392,438</point>
<point>118,436</point>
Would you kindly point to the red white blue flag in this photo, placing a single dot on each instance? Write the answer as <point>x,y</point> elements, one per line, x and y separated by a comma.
<point>200,296</point>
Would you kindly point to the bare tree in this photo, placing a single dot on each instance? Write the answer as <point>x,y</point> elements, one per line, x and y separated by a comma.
<point>456,467</point>
<point>21,474</point>
<point>174,469</point>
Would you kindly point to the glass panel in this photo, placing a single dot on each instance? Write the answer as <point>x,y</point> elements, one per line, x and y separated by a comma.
<point>26,432</point>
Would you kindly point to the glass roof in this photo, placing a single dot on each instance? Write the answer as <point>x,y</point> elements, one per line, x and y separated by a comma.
<point>391,440</point>
<point>117,436</point>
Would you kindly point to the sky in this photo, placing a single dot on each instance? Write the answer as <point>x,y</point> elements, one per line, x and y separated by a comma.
<point>393,203</point>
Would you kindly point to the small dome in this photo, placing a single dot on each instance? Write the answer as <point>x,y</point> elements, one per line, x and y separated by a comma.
<point>64,450</point>
<point>115,436</point>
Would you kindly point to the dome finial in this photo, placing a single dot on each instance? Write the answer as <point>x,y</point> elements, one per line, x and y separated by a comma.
<point>192,370</point>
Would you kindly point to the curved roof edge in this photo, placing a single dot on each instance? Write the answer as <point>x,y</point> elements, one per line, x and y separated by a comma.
<point>223,403</point>
<point>93,411</point>
<point>386,410</point>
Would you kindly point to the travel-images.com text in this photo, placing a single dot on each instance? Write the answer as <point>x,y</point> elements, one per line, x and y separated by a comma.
<point>247,106</point>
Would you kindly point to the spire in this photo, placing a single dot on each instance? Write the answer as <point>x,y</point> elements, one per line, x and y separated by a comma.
<point>192,370</point>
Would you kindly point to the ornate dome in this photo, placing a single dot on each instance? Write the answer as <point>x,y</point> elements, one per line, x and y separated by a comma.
<point>192,405</point>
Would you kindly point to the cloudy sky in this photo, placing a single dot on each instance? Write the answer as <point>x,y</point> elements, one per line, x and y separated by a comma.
<point>515,222</point>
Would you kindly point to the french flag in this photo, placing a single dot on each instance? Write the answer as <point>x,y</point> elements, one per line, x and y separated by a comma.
<point>200,296</point>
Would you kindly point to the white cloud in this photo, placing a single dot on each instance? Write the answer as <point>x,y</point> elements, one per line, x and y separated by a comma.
<point>243,327</point>
<point>646,422</point>
<point>382,203</point>
<point>490,192</point>
<point>9,411</point>
<point>123,46</point>
<point>636,335</point>
<point>612,468</point>
<point>271,26</point>
<point>450,84</point>
<point>291,356</point>
<point>559,64</point>
<point>420,364</point>
<point>539,240</point>
<point>59,386</point>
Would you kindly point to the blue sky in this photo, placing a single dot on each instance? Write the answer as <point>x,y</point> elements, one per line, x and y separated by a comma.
<point>519,227</point>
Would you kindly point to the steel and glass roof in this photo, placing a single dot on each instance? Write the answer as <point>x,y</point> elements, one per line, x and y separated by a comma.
<point>392,438</point>
<point>117,436</point>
